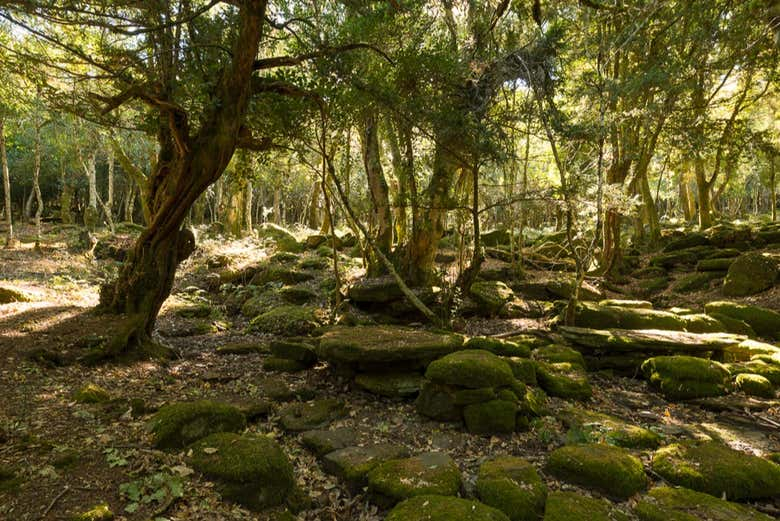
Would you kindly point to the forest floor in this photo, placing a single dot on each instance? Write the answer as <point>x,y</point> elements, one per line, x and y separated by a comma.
<point>71,456</point>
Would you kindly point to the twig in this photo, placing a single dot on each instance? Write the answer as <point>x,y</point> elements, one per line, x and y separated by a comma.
<point>54,501</point>
<point>164,507</point>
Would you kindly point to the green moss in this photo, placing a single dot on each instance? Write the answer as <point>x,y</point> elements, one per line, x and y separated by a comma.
<point>686,377</point>
<point>290,350</point>
<point>283,365</point>
<point>681,504</point>
<point>314,263</point>
<point>493,417</point>
<point>754,385</point>
<point>523,369</point>
<point>283,257</point>
<point>694,281</point>
<point>734,325</point>
<point>297,294</point>
<point>92,393</point>
<point>573,506</point>
<point>769,371</point>
<point>564,380</point>
<point>648,287</point>
<point>287,320</point>
<point>630,304</point>
<point>513,486</point>
<point>556,353</point>
<point>241,348</point>
<point>498,346</point>
<point>352,464</point>
<point>491,295</point>
<point>535,402</point>
<point>749,274</point>
<point>278,273</point>
<point>713,468</point>
<point>765,322</point>
<point>250,470</point>
<point>589,314</point>
<point>200,310</point>
<point>590,426</point>
<point>714,264</point>
<point>470,396</point>
<point>390,384</point>
<point>285,241</point>
<point>611,470</point>
<point>300,416</point>
<point>701,323</point>
<point>472,369</point>
<point>443,508</point>
<point>8,295</point>
<point>437,401</point>
<point>97,513</point>
<point>429,473</point>
<point>178,425</point>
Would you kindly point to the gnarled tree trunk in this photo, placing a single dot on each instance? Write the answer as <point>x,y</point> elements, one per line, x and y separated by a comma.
<point>380,194</point>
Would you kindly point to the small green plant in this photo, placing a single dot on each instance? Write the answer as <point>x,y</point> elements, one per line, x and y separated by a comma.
<point>115,458</point>
<point>154,488</point>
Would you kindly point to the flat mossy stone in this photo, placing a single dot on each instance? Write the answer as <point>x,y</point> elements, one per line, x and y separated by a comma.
<point>754,385</point>
<point>610,470</point>
<point>275,273</point>
<point>297,294</point>
<point>306,416</point>
<point>702,323</point>
<point>564,380</point>
<point>721,264</point>
<point>524,369</point>
<point>682,504</point>
<point>686,377</point>
<point>430,473</point>
<point>594,427</point>
<point>770,371</point>
<point>443,508</point>
<point>253,471</point>
<point>100,512</point>
<point>734,325</point>
<point>532,341</point>
<point>287,321</point>
<point>765,322</point>
<point>298,351</point>
<point>471,396</point>
<point>688,240</point>
<point>694,281</point>
<point>472,368</point>
<point>177,425</point>
<point>322,442</point>
<point>573,506</point>
<point>259,304</point>
<point>283,365</point>
<point>750,273</point>
<point>92,393</point>
<point>491,295</point>
<point>498,346</point>
<point>513,486</point>
<point>630,304</point>
<point>718,470</point>
<point>393,385</point>
<point>557,353</point>
<point>352,464</point>
<point>276,389</point>
<point>374,290</point>
<point>493,417</point>
<point>438,402</point>
<point>648,287</point>
<point>592,315</point>
<point>385,345</point>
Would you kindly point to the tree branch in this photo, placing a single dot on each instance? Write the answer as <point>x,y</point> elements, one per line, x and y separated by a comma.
<point>289,61</point>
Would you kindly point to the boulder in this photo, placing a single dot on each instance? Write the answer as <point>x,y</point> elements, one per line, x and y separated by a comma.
<point>250,470</point>
<point>491,295</point>
<point>682,504</point>
<point>443,508</point>
<point>702,323</point>
<point>285,241</point>
<point>523,369</point>
<point>491,417</point>
<point>564,380</point>
<point>717,264</point>
<point>590,426</point>
<point>630,304</point>
<point>283,365</point>
<point>305,416</point>
<point>695,281</point>
<point>287,321</point>
<point>497,237</point>
<point>764,322</point>
<point>298,351</point>
<point>498,346</point>
<point>688,240</point>
<point>754,385</point>
<point>513,486</point>
<point>686,377</point>
<point>749,274</point>
<point>92,393</point>
<point>315,240</point>
<point>390,384</point>
<point>177,425</point>
<point>472,368</point>
<point>276,273</point>
<point>573,506</point>
<point>611,470</point>
<point>430,473</point>
<point>352,464</point>
<point>714,468</point>
<point>376,290</point>
<point>322,442</point>
<point>770,371</point>
<point>685,257</point>
<point>297,295</point>
<point>9,295</point>
<point>594,316</point>
<point>734,325</point>
<point>438,402</point>
<point>556,353</point>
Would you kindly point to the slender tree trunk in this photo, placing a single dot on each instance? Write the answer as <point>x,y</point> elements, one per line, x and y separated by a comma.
<point>66,196</point>
<point>703,194</point>
<point>9,241</point>
<point>313,218</point>
<point>401,201</point>
<point>773,188</point>
<point>110,200</point>
<point>380,196</point>
<point>248,201</point>
<point>130,204</point>
<point>278,206</point>
<point>648,206</point>
<point>37,184</point>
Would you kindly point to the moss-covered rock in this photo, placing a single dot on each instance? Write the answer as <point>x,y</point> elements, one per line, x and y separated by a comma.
<point>305,416</point>
<point>681,257</point>
<point>591,426</point>
<point>285,241</point>
<point>687,240</point>
<point>714,468</point>
<point>491,295</point>
<point>92,393</point>
<point>770,371</point>
<point>682,504</point>
<point>322,442</point>
<point>443,508</point>
<point>754,385</point>
<point>438,402</point>
<point>720,264</point>
<point>9,295</point>
<point>377,290</point>
<point>523,369</point>
<point>276,273</point>
<point>100,512</point>
<point>513,486</point>
<point>287,320</point>
<point>573,506</point>
<point>535,403</point>
<point>702,323</point>
<point>297,294</point>
<point>651,286</point>
<point>557,353</point>
<point>734,325</point>
<point>283,365</point>
<point>498,346</point>
<point>630,304</point>
<point>564,380</point>
<point>392,385</point>
<point>750,273</point>
<point>686,377</point>
<point>300,351</point>
<point>472,368</point>
<point>250,470</point>
<point>611,470</point>
<point>594,316</point>
<point>492,417</point>
<point>765,322</point>
<point>695,281</point>
<point>180,424</point>
<point>352,464</point>
<point>428,473</point>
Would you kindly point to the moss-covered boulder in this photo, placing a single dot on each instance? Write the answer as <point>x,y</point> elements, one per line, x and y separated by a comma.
<point>714,468</point>
<point>630,304</point>
<point>498,346</point>
<point>513,486</point>
<point>428,473</point>
<point>682,504</point>
<point>322,442</point>
<point>720,264</point>
<point>278,273</point>
<point>316,414</point>
<point>9,295</point>
<point>472,368</point>
<point>491,295</point>
<point>770,371</point>
<point>734,325</point>
<point>608,469</point>
<point>443,508</point>
<point>686,377</point>
<point>573,506</point>
<point>298,294</point>
<point>491,417</point>
<point>393,385</point>
<point>703,323</point>
<point>564,380</point>
<point>695,281</point>
<point>754,385</point>
<point>381,346</point>
<point>377,290</point>
<point>593,427</point>
<point>100,512</point>
<point>92,393</point>
<point>523,369</point>
<point>177,425</point>
<point>688,240</point>
<point>557,353</point>
<point>438,402</point>
<point>285,241</point>
<point>750,273</point>
<point>765,322</point>
<point>299,351</point>
<point>250,470</point>
<point>352,464</point>
<point>287,321</point>
<point>592,315</point>
<point>283,365</point>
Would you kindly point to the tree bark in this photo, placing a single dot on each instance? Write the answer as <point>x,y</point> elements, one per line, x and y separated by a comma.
<point>6,185</point>
<point>37,184</point>
<point>379,192</point>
